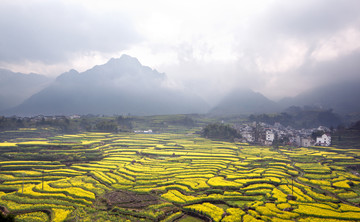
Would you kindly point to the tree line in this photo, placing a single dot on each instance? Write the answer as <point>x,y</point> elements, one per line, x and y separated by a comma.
<point>298,118</point>
<point>68,125</point>
<point>220,131</point>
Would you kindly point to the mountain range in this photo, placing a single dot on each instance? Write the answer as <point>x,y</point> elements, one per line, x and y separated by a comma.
<point>121,86</point>
<point>342,97</point>
<point>124,86</point>
<point>244,101</point>
<point>17,87</point>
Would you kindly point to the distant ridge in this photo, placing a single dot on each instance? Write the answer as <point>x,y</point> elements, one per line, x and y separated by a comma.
<point>244,101</point>
<point>121,86</point>
<point>342,97</point>
<point>16,87</point>
<point>124,86</point>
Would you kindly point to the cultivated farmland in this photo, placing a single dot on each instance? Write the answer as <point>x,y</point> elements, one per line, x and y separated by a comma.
<point>174,177</point>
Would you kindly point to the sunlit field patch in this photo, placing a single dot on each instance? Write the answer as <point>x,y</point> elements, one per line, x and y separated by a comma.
<point>34,217</point>
<point>208,209</point>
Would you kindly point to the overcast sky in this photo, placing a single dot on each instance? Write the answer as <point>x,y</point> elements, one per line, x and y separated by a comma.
<point>278,48</point>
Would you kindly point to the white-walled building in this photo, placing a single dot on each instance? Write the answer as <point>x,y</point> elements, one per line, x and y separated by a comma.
<point>269,137</point>
<point>324,140</point>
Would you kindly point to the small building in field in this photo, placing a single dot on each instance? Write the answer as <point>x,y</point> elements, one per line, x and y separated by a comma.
<point>324,140</point>
<point>144,131</point>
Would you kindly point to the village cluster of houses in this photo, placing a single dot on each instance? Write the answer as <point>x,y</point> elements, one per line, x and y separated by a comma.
<point>264,134</point>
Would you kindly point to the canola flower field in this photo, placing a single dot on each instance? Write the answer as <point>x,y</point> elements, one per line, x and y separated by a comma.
<point>177,177</point>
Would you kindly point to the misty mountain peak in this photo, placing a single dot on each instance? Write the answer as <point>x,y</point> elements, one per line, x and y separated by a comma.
<point>73,71</point>
<point>71,74</point>
<point>129,60</point>
<point>124,69</point>
<point>125,61</point>
<point>120,86</point>
<point>244,101</point>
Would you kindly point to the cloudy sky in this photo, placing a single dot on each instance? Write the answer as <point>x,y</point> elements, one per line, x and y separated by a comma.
<point>276,47</point>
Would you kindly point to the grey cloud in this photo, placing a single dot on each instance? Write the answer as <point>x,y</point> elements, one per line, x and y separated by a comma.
<point>306,23</point>
<point>344,68</point>
<point>271,36</point>
<point>308,18</point>
<point>50,31</point>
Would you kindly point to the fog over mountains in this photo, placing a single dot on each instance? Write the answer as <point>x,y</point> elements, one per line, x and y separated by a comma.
<point>16,87</point>
<point>244,101</point>
<point>124,86</point>
<point>121,86</point>
<point>342,97</point>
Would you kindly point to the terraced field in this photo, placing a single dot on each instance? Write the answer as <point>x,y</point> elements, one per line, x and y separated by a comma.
<point>175,177</point>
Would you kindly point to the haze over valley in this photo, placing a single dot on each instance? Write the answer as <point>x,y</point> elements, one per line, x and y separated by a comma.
<point>123,86</point>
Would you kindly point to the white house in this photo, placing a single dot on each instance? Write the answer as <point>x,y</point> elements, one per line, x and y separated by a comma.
<point>324,140</point>
<point>269,137</point>
<point>144,131</point>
